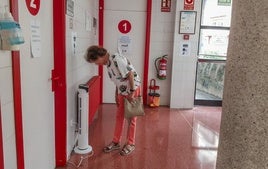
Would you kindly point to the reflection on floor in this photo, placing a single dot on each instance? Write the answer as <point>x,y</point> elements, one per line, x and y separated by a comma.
<point>165,139</point>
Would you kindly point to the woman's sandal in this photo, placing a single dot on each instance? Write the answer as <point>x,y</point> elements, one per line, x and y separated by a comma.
<point>127,149</point>
<point>111,147</point>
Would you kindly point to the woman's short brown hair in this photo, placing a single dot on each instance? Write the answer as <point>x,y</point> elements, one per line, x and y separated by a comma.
<point>93,52</point>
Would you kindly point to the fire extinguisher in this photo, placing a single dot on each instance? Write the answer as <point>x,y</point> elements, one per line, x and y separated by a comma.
<point>161,67</point>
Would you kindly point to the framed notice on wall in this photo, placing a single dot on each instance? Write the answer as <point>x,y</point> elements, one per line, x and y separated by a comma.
<point>187,22</point>
<point>70,7</point>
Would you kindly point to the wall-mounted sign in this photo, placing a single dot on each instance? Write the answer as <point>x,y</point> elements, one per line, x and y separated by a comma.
<point>165,5</point>
<point>70,8</point>
<point>88,22</point>
<point>224,2</point>
<point>124,45</point>
<point>124,26</point>
<point>35,39</point>
<point>33,6</point>
<point>94,24</point>
<point>185,49</point>
<point>188,4</point>
<point>74,43</point>
<point>187,22</point>
<point>71,23</point>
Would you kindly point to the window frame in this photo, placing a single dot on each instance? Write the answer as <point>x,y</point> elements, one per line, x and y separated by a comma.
<point>206,27</point>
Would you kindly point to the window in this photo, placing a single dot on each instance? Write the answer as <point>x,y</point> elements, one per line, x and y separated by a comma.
<point>214,29</point>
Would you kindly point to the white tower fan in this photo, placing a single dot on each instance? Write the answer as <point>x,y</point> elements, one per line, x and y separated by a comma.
<point>82,146</point>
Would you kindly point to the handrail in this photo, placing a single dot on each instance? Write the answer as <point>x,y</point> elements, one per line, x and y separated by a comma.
<point>223,56</point>
<point>211,60</point>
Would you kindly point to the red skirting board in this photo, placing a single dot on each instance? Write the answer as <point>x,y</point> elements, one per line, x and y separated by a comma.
<point>94,95</point>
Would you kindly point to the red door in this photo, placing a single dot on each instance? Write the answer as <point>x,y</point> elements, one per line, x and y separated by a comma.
<point>59,81</point>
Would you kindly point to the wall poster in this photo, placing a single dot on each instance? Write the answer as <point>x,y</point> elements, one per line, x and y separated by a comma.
<point>187,22</point>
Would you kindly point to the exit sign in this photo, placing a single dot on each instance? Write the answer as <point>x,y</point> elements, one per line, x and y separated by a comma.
<point>224,2</point>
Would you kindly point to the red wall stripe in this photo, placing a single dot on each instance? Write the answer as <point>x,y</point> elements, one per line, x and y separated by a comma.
<point>147,50</point>
<point>18,109</point>
<point>59,24</point>
<point>101,41</point>
<point>17,94</point>
<point>1,142</point>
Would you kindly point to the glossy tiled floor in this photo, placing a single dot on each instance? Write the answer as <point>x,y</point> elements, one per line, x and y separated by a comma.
<point>165,139</point>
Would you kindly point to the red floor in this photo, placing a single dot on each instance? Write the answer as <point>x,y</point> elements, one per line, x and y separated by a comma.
<point>165,139</point>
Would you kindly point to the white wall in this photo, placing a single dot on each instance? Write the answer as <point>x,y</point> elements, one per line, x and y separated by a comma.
<point>78,70</point>
<point>184,67</point>
<point>7,102</point>
<point>135,13</point>
<point>162,33</point>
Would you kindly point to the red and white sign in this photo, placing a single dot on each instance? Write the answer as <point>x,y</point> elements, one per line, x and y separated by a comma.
<point>188,4</point>
<point>33,6</point>
<point>165,5</point>
<point>124,26</point>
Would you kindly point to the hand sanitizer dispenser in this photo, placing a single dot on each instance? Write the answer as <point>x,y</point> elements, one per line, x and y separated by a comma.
<point>10,33</point>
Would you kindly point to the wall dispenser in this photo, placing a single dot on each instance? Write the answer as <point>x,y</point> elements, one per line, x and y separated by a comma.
<point>10,32</point>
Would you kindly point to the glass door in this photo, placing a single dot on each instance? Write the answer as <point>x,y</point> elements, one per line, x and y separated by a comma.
<point>212,54</point>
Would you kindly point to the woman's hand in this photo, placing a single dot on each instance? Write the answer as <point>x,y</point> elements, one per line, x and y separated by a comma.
<point>116,97</point>
<point>116,100</point>
<point>131,97</point>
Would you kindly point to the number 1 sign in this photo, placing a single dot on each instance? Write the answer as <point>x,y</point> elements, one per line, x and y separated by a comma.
<point>124,26</point>
<point>33,6</point>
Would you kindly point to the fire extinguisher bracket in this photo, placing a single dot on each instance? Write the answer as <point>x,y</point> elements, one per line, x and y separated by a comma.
<point>154,98</point>
<point>154,87</point>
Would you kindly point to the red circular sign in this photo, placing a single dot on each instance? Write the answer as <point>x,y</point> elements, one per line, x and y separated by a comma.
<point>124,26</point>
<point>33,6</point>
<point>189,1</point>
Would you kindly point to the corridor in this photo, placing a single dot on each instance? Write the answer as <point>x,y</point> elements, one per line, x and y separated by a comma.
<point>165,139</point>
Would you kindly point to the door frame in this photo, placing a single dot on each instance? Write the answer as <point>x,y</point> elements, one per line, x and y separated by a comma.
<point>1,142</point>
<point>60,98</point>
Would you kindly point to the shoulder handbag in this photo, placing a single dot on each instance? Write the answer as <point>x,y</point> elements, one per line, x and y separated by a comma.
<point>134,108</point>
